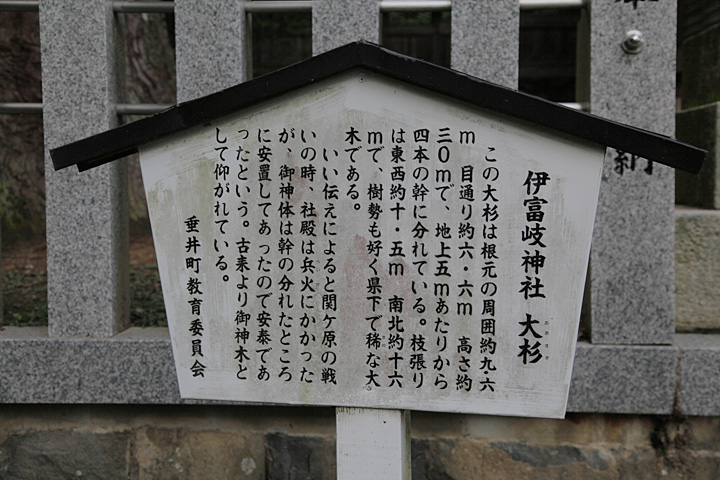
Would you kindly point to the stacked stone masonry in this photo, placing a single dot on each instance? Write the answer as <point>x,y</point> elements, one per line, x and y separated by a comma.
<point>697,229</point>
<point>634,364</point>
<point>200,442</point>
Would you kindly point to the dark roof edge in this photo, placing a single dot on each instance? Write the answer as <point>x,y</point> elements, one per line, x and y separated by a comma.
<point>125,140</point>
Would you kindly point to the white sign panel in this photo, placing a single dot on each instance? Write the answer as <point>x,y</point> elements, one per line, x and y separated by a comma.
<point>361,242</point>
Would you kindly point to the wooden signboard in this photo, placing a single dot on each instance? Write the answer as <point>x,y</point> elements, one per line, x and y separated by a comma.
<point>361,242</point>
<point>368,230</point>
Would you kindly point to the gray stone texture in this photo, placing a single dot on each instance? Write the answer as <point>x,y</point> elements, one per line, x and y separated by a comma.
<point>144,453</point>
<point>547,458</point>
<point>485,39</point>
<point>632,261</point>
<point>623,379</point>
<point>336,23</point>
<point>295,457</point>
<point>699,127</point>
<point>181,443</point>
<point>1,277</point>
<point>87,222</point>
<point>209,46</point>
<point>700,67</point>
<point>171,453</point>
<point>135,366</point>
<point>697,270</point>
<point>699,380</point>
<point>64,454</point>
<point>428,458</point>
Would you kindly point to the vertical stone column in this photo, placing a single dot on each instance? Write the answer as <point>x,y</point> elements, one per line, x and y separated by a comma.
<point>632,259</point>
<point>1,276</point>
<point>209,46</point>
<point>337,23</point>
<point>486,39</point>
<point>87,221</point>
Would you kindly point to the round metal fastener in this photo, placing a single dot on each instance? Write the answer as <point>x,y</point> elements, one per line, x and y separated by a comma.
<point>633,42</point>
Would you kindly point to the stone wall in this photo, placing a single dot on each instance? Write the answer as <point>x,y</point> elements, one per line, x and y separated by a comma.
<point>697,219</point>
<point>218,442</point>
<point>54,438</point>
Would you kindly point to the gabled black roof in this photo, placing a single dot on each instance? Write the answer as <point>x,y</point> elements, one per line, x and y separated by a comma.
<point>122,141</point>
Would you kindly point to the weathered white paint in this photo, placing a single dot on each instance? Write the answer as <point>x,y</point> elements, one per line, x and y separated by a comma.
<point>373,444</point>
<point>179,182</point>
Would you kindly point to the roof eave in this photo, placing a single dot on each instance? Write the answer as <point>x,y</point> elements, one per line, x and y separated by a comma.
<point>125,140</point>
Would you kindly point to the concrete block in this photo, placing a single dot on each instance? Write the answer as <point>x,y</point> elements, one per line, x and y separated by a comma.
<point>699,379</point>
<point>632,261</point>
<point>87,222</point>
<point>700,127</point>
<point>623,379</point>
<point>336,23</point>
<point>494,24</point>
<point>209,46</point>
<point>697,270</point>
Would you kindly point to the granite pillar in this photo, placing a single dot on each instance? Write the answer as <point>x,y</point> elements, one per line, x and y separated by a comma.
<point>87,221</point>
<point>1,277</point>
<point>336,23</point>
<point>632,261</point>
<point>485,39</point>
<point>209,46</point>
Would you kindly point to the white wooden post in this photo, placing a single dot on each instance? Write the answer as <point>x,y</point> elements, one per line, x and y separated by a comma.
<point>373,444</point>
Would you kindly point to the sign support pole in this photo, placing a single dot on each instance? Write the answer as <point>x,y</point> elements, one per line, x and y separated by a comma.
<point>372,444</point>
